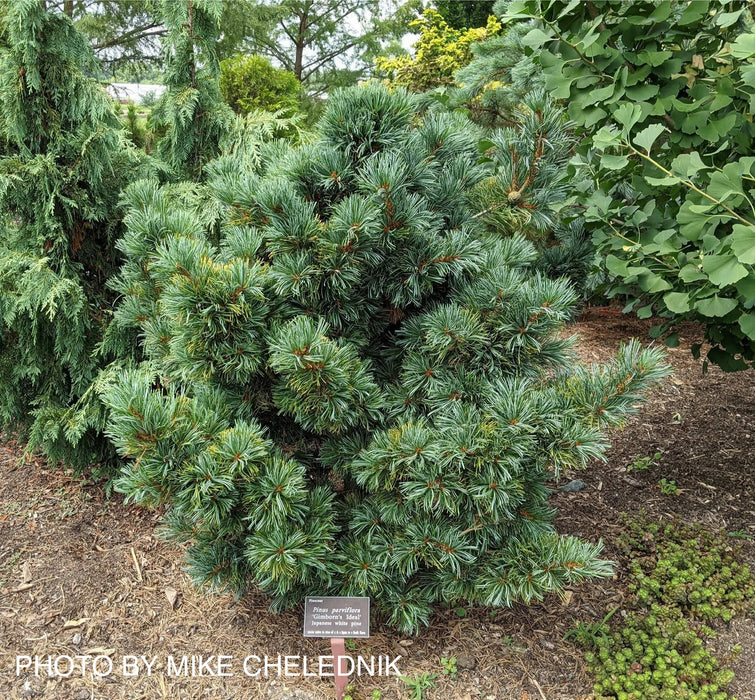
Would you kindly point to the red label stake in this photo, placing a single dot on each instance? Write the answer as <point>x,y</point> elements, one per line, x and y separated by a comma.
<point>338,646</point>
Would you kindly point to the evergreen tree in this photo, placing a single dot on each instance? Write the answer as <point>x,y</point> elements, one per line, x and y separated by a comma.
<point>466,14</point>
<point>500,88</point>
<point>191,114</point>
<point>527,190</point>
<point>437,54</point>
<point>355,389</point>
<point>528,162</point>
<point>124,34</point>
<point>571,254</point>
<point>63,163</point>
<point>501,74</point>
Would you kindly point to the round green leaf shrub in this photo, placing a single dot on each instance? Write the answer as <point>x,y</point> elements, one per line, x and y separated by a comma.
<point>248,83</point>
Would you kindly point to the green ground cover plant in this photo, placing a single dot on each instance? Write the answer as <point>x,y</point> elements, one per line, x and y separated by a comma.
<point>682,577</point>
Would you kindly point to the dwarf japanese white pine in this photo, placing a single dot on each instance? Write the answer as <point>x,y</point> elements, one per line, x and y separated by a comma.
<point>354,389</point>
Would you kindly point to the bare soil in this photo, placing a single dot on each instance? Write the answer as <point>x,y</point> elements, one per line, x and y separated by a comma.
<point>81,574</point>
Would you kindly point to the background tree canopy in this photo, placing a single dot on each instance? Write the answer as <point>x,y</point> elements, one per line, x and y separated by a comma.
<point>466,14</point>
<point>324,43</point>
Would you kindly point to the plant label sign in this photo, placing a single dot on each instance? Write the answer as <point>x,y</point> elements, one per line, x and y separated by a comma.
<point>336,616</point>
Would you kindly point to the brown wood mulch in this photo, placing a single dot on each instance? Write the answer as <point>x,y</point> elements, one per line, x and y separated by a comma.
<point>80,574</point>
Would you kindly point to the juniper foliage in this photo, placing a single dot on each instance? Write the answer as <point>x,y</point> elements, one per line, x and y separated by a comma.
<point>63,163</point>
<point>191,115</point>
<point>356,389</point>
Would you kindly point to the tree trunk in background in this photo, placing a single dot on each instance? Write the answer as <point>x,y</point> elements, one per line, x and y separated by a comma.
<point>300,40</point>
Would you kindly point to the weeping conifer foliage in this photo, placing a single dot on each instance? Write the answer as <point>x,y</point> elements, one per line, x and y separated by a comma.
<point>63,163</point>
<point>357,390</point>
<point>191,116</point>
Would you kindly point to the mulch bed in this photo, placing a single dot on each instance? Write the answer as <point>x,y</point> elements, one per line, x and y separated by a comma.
<point>81,574</point>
